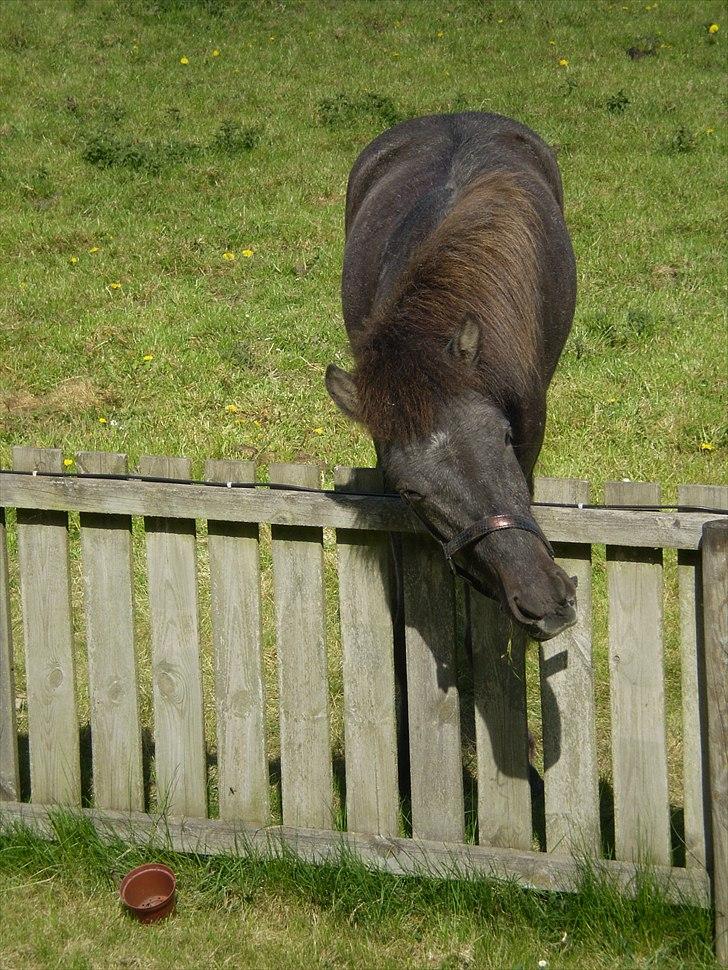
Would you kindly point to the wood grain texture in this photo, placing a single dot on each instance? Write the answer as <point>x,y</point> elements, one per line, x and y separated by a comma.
<point>533,870</point>
<point>433,702</point>
<point>501,728</point>
<point>180,759</point>
<point>113,685</point>
<point>670,530</point>
<point>370,729</point>
<point>571,776</point>
<point>695,773</point>
<point>298,575</point>
<point>637,691</point>
<point>45,592</point>
<point>242,762</point>
<point>715,626</point>
<point>9,773</point>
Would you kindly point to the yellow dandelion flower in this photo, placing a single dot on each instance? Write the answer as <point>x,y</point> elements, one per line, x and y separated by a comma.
<point>103,421</point>
<point>68,462</point>
<point>709,131</point>
<point>563,62</point>
<point>228,256</point>
<point>318,430</point>
<point>714,28</point>
<point>148,357</point>
<point>441,33</point>
<point>553,43</point>
<point>216,53</point>
<point>73,260</point>
<point>707,446</point>
<point>184,60</point>
<point>248,253</point>
<point>231,408</point>
<point>114,286</point>
<point>94,249</point>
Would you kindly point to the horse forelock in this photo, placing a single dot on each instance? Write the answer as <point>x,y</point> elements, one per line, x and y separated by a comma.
<point>482,260</point>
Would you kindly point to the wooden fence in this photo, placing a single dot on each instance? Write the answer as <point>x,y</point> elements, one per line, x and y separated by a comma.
<point>634,541</point>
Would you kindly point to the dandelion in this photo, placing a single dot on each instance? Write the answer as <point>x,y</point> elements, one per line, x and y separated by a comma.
<point>228,256</point>
<point>707,446</point>
<point>148,357</point>
<point>543,963</point>
<point>103,420</point>
<point>318,430</point>
<point>441,33</point>
<point>216,53</point>
<point>714,28</point>
<point>553,43</point>
<point>248,253</point>
<point>709,131</point>
<point>114,286</point>
<point>68,462</point>
<point>94,249</point>
<point>231,408</point>
<point>73,260</point>
<point>184,60</point>
<point>563,62</point>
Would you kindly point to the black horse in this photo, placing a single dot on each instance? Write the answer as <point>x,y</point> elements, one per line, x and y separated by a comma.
<point>458,293</point>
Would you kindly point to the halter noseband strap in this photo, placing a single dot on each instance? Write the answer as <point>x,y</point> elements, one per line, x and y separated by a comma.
<point>492,523</point>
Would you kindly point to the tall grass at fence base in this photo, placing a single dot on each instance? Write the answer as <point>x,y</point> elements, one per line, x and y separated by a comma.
<point>466,921</point>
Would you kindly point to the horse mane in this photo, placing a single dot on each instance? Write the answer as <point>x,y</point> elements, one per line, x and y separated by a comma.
<point>482,261</point>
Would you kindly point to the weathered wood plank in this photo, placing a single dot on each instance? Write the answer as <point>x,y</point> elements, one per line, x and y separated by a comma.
<point>695,774</point>
<point>9,774</point>
<point>501,729</point>
<point>571,776</point>
<point>436,769</point>
<point>45,592</point>
<point>637,691</point>
<point>715,633</point>
<point>179,738</point>
<point>370,728</point>
<point>669,530</point>
<point>242,761</point>
<point>533,870</point>
<point>298,573</point>
<point>113,686</point>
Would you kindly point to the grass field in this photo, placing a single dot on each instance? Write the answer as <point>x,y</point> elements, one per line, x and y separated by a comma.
<point>173,177</point>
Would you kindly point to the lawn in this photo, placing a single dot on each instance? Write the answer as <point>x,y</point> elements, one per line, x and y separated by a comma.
<point>173,176</point>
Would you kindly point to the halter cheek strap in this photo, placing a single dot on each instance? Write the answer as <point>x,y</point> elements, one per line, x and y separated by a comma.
<point>486,526</point>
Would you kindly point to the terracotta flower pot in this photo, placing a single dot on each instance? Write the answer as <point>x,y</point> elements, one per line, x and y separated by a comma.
<point>149,891</point>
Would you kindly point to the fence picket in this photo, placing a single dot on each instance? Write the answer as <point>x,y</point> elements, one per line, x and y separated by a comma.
<point>501,729</point>
<point>370,729</point>
<point>242,761</point>
<point>637,690</point>
<point>436,770</point>
<point>695,776</point>
<point>571,775</point>
<point>177,679</point>
<point>113,686</point>
<point>45,590</point>
<point>298,575</point>
<point>715,624</point>
<point>9,773</point>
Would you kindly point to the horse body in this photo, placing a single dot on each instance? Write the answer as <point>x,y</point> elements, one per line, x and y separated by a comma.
<point>458,292</point>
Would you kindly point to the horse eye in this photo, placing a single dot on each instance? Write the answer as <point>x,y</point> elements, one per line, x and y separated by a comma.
<point>509,437</point>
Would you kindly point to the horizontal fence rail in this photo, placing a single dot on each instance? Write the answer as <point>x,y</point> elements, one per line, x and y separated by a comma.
<point>284,553</point>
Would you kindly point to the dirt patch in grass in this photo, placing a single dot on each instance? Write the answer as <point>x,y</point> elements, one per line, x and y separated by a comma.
<point>71,396</point>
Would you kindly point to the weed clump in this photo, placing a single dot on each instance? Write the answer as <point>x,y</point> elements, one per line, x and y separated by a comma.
<point>233,139</point>
<point>343,111</point>
<point>680,142</point>
<point>617,103</point>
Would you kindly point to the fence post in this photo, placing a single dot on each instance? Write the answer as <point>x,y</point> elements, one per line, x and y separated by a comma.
<point>715,638</point>
<point>9,775</point>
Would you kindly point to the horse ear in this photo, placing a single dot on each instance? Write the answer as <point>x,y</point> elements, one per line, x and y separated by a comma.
<point>340,385</point>
<point>465,344</point>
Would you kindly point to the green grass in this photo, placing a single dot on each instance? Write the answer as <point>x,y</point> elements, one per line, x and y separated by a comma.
<point>59,898</point>
<point>126,176</point>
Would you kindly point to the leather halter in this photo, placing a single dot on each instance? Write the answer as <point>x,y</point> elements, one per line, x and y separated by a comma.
<point>478,530</point>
